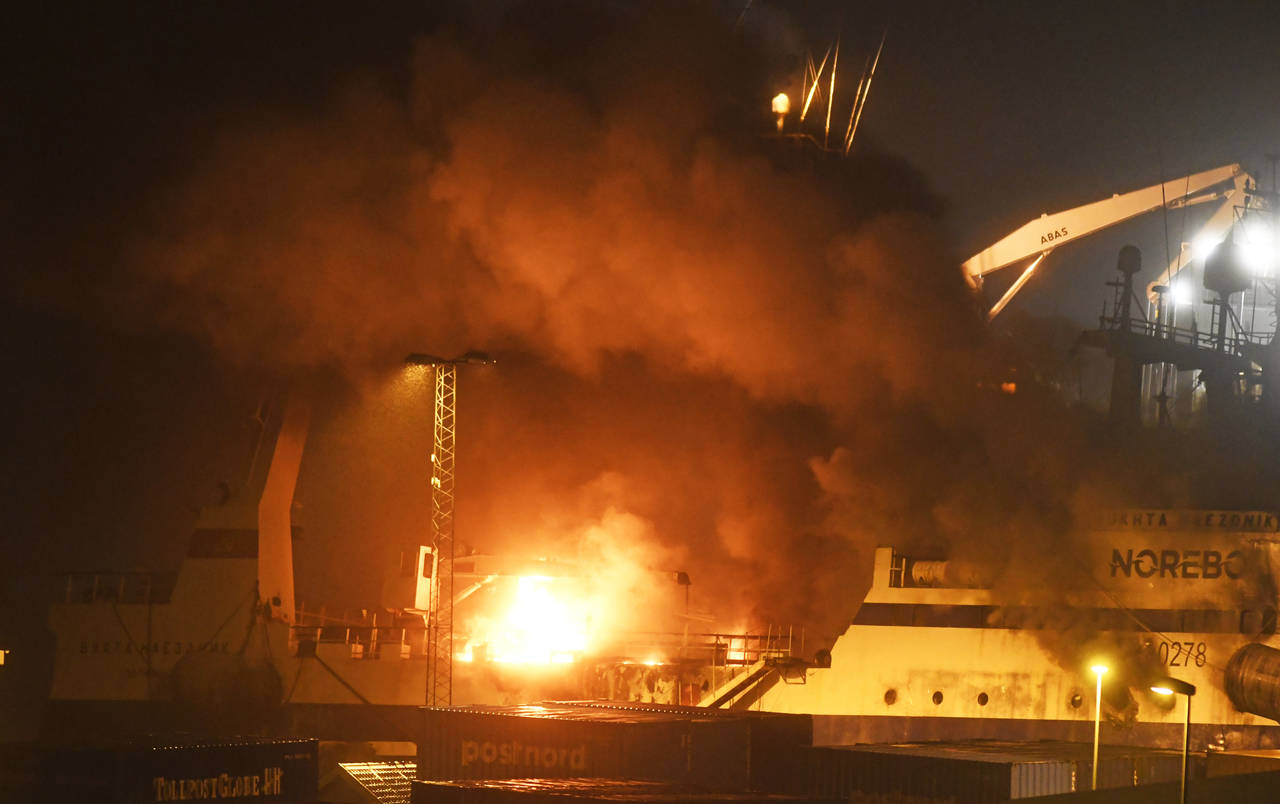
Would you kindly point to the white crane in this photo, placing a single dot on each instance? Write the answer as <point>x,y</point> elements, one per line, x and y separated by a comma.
<point>1038,237</point>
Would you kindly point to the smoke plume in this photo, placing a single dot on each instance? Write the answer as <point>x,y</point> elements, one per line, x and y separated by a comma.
<point>719,353</point>
<point>689,315</point>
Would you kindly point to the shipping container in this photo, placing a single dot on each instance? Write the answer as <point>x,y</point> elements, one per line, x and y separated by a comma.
<point>772,739</point>
<point>582,791</point>
<point>136,772</point>
<point>1250,788</point>
<point>1229,763</point>
<point>977,771</point>
<point>778,727</point>
<point>561,741</point>
<point>842,772</point>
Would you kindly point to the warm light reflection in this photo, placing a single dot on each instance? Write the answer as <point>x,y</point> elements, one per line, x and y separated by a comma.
<point>538,627</point>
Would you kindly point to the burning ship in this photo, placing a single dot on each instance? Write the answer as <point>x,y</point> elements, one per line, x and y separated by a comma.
<point>938,651</point>
<point>933,651</point>
<point>221,646</point>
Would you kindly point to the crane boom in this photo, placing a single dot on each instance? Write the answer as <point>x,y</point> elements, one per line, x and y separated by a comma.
<point>1219,222</point>
<point>1041,235</point>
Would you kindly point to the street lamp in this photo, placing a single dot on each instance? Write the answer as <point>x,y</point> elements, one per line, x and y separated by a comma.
<point>1099,670</point>
<point>1171,686</point>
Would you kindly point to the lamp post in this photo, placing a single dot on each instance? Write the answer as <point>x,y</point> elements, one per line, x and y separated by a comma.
<point>439,680</point>
<point>1099,670</point>
<point>1170,686</point>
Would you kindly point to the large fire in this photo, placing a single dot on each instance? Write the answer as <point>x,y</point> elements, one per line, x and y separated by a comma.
<point>540,625</point>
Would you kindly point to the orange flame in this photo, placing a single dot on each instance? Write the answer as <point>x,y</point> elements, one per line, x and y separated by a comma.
<point>537,628</point>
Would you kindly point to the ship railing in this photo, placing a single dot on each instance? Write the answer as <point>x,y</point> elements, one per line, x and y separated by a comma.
<point>727,651</point>
<point>1195,338</point>
<point>734,656</point>
<point>129,588</point>
<point>364,640</point>
<point>719,649</point>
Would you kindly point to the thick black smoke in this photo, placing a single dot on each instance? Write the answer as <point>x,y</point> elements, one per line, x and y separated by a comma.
<point>689,313</point>
<point>722,353</point>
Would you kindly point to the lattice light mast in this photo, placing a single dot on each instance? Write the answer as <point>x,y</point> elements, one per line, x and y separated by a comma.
<point>439,682</point>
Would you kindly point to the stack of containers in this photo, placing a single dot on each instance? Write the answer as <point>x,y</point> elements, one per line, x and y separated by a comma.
<point>1230,763</point>
<point>775,742</point>
<point>583,791</point>
<point>978,771</point>
<point>135,771</point>
<point>707,749</point>
<point>727,754</point>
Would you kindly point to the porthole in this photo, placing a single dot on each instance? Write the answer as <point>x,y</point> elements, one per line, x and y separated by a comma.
<point>890,696</point>
<point>982,699</point>
<point>937,697</point>
<point>1076,700</point>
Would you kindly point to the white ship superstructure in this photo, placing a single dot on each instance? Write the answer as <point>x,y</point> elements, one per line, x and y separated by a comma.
<point>1188,594</point>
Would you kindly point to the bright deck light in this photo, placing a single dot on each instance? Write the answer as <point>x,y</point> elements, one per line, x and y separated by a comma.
<point>1180,290</point>
<point>1257,249</point>
<point>1204,244</point>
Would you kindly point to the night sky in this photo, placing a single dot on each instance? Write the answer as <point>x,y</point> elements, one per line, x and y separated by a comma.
<point>120,418</point>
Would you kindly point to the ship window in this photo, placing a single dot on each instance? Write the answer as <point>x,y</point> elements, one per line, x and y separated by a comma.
<point>949,616</point>
<point>1208,621</point>
<point>1008,617</point>
<point>162,586</point>
<point>1076,701</point>
<point>1193,620</point>
<point>1155,619</point>
<point>890,696</point>
<point>884,614</point>
<point>937,697</point>
<point>1254,622</point>
<point>1249,622</point>
<point>982,699</point>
